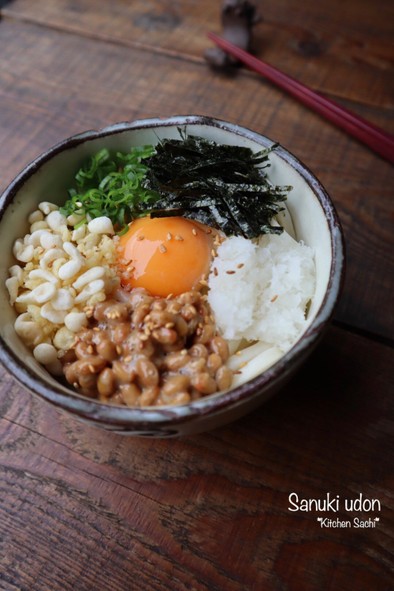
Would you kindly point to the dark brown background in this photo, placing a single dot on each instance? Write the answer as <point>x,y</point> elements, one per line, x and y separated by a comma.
<point>83,509</point>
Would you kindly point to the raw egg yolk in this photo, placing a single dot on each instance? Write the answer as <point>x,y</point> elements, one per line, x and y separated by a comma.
<point>164,255</point>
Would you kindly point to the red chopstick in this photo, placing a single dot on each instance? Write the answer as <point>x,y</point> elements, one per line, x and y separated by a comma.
<point>371,135</point>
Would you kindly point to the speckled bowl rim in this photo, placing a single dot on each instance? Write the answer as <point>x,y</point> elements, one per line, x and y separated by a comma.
<point>145,418</point>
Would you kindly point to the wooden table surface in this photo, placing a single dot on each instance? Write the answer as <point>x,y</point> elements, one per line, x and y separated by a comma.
<point>83,509</point>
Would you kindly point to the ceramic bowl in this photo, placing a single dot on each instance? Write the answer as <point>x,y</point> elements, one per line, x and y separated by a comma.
<point>315,222</point>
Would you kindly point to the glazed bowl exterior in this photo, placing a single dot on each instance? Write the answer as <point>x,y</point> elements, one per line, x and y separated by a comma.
<point>315,222</point>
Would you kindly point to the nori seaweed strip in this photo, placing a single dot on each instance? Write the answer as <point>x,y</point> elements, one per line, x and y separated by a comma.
<point>221,185</point>
<point>218,218</point>
<point>205,210</point>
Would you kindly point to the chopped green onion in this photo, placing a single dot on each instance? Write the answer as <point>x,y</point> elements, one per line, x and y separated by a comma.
<point>112,185</point>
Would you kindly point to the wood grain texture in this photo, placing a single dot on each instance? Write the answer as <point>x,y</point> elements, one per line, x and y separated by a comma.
<point>71,83</point>
<point>85,509</point>
<point>325,48</point>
